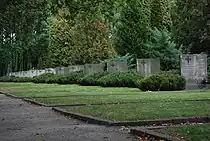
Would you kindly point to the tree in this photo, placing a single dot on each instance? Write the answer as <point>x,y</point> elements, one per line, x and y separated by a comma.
<point>163,47</point>
<point>133,27</point>
<point>191,26</point>
<point>161,14</point>
<point>83,42</point>
<point>23,31</point>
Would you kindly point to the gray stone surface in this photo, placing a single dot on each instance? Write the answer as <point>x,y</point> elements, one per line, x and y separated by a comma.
<point>50,70</point>
<point>21,74</point>
<point>94,68</point>
<point>40,72</point>
<point>76,68</point>
<point>194,69</point>
<point>147,67</point>
<point>25,74</point>
<point>59,70</point>
<point>32,73</point>
<point>117,66</point>
<point>20,121</point>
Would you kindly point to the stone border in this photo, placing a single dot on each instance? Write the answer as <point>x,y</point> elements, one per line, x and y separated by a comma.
<point>92,104</point>
<point>87,119</point>
<point>95,120</point>
<point>152,134</point>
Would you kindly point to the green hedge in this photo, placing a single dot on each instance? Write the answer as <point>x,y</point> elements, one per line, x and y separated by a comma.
<point>15,79</point>
<point>71,78</point>
<point>120,79</point>
<point>42,78</point>
<point>91,80</point>
<point>164,81</point>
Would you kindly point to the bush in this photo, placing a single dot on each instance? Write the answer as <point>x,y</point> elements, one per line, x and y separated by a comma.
<point>173,71</point>
<point>22,79</point>
<point>6,79</point>
<point>120,79</point>
<point>92,80</point>
<point>162,82</point>
<point>71,78</point>
<point>42,78</point>
<point>15,79</point>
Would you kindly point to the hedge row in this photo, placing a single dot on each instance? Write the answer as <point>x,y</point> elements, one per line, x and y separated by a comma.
<point>164,81</point>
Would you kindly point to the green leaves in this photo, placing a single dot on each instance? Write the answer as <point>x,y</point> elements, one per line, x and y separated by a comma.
<point>162,46</point>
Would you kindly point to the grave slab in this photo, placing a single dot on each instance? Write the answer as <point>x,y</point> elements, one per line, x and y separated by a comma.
<point>147,67</point>
<point>94,68</point>
<point>117,66</point>
<point>194,69</point>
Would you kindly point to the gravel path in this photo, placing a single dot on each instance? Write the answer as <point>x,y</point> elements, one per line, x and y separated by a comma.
<point>21,121</point>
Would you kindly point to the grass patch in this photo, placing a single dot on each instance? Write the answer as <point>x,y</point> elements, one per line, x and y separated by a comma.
<point>190,132</point>
<point>143,111</point>
<point>94,94</point>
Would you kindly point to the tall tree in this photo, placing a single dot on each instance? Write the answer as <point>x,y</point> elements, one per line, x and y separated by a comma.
<point>23,25</point>
<point>133,27</point>
<point>191,26</point>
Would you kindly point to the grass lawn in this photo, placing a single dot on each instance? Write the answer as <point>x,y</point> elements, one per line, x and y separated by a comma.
<point>143,111</point>
<point>91,94</point>
<point>190,132</point>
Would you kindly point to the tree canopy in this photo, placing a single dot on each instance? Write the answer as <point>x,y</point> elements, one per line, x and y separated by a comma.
<point>49,33</point>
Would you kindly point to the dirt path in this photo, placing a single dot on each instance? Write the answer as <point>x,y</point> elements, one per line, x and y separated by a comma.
<point>20,121</point>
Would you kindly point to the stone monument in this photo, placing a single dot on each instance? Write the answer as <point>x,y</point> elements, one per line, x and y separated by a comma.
<point>194,69</point>
<point>117,66</point>
<point>147,67</point>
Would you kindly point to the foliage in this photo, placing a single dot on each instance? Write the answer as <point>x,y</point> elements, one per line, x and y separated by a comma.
<point>163,47</point>
<point>161,14</point>
<point>23,34</point>
<point>80,43</point>
<point>191,24</point>
<point>42,78</point>
<point>120,79</point>
<point>15,79</point>
<point>92,80</point>
<point>71,78</point>
<point>130,59</point>
<point>162,82</point>
<point>133,27</point>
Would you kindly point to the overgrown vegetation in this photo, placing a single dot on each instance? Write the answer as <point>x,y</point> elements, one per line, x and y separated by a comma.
<point>164,81</point>
<point>35,34</point>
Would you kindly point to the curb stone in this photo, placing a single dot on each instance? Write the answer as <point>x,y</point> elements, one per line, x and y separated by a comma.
<point>35,102</point>
<point>152,134</point>
<point>86,104</point>
<point>95,120</point>
<point>88,119</point>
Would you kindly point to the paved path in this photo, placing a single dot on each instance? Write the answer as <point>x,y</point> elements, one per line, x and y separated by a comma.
<point>21,121</point>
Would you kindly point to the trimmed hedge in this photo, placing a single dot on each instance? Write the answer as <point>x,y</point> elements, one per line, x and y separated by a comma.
<point>42,78</point>
<point>164,81</point>
<point>15,79</point>
<point>120,79</point>
<point>92,80</point>
<point>71,78</point>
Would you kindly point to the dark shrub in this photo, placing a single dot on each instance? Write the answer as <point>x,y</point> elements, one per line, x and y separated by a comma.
<point>120,79</point>
<point>92,80</point>
<point>15,79</point>
<point>6,79</point>
<point>162,82</point>
<point>174,71</point>
<point>71,78</point>
<point>22,79</point>
<point>42,78</point>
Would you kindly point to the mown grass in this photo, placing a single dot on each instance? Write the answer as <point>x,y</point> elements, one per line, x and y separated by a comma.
<point>190,132</point>
<point>150,106</point>
<point>143,111</point>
